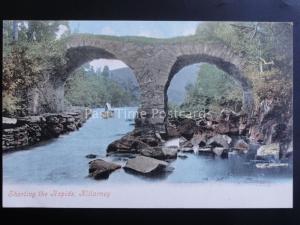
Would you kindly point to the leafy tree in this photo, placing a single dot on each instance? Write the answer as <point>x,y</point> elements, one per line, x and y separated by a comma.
<point>267,49</point>
<point>213,90</point>
<point>87,88</point>
<point>27,64</point>
<point>43,30</point>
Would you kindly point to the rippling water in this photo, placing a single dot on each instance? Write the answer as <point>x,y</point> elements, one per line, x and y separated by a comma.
<point>63,161</point>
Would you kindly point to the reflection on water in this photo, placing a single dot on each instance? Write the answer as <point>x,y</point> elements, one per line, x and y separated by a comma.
<point>63,161</point>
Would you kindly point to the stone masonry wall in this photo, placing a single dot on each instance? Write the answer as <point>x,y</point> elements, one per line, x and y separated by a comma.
<point>27,131</point>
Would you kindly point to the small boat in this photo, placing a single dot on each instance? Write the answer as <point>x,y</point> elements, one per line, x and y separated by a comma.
<point>108,113</point>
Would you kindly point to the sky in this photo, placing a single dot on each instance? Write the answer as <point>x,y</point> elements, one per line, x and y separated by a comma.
<point>155,29</point>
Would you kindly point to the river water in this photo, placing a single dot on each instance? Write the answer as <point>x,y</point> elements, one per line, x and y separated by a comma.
<point>54,174</point>
<point>63,161</point>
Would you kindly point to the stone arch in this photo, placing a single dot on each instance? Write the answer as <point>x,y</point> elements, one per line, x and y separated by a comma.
<point>76,57</point>
<point>153,62</point>
<point>79,53</point>
<point>229,67</point>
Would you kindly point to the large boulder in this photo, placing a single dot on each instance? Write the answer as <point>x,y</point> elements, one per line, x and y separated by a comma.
<point>145,165</point>
<point>219,141</point>
<point>100,169</point>
<point>150,140</point>
<point>127,144</point>
<point>186,128</point>
<point>267,152</point>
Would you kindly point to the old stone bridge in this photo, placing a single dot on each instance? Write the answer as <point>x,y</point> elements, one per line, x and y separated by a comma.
<point>154,63</point>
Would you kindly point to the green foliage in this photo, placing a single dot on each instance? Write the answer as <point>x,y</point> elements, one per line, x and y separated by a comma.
<point>9,104</point>
<point>20,73</point>
<point>213,91</point>
<point>90,88</point>
<point>28,63</point>
<point>43,30</point>
<point>267,49</point>
<point>255,41</point>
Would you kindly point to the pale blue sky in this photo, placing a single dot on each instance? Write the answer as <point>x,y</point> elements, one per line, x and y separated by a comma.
<point>156,29</point>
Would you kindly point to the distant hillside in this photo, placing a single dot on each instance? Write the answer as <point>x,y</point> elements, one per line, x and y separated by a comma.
<point>126,79</point>
<point>176,91</point>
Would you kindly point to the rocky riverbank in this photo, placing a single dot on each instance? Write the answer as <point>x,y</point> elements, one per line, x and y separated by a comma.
<point>27,131</point>
<point>228,136</point>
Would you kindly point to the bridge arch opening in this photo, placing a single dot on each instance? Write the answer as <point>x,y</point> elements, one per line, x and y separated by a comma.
<point>121,82</point>
<point>233,73</point>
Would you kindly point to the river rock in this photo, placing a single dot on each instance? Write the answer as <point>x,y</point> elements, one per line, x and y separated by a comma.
<point>182,140</point>
<point>145,165</point>
<point>268,151</point>
<point>32,120</point>
<point>153,152</point>
<point>100,169</point>
<point>91,156</point>
<point>158,136</point>
<point>150,140</point>
<point>172,143</point>
<point>56,130</point>
<point>70,119</point>
<point>241,145</point>
<point>169,152</point>
<point>127,144</point>
<point>198,140</point>
<point>187,128</point>
<point>52,119</point>
<point>159,152</point>
<point>187,144</point>
<point>218,150</point>
<point>172,131</point>
<point>219,141</point>
<point>71,127</point>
